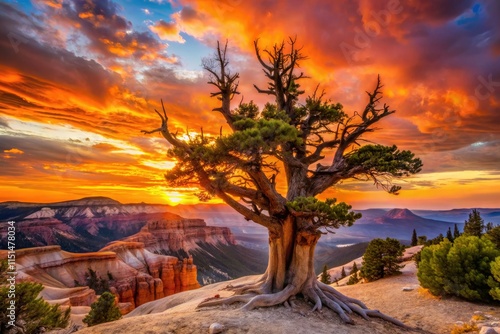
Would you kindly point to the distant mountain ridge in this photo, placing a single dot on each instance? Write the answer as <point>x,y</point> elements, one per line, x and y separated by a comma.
<point>89,224</point>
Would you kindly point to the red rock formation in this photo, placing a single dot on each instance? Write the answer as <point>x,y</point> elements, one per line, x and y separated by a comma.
<point>176,233</point>
<point>139,276</point>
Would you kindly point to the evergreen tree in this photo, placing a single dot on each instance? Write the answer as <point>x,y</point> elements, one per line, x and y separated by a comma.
<point>422,239</point>
<point>435,240</point>
<point>414,238</point>
<point>353,279</point>
<point>456,232</point>
<point>449,235</point>
<point>96,283</point>
<point>325,276</point>
<point>494,235</point>
<point>494,281</point>
<point>103,310</point>
<point>461,268</point>
<point>381,259</point>
<point>342,273</point>
<point>354,269</point>
<point>489,227</point>
<point>290,134</point>
<point>474,226</point>
<point>29,307</point>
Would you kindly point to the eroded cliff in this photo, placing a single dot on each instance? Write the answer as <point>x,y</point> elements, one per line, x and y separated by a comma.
<point>138,276</point>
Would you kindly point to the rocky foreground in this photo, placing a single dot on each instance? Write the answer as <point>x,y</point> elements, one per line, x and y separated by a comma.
<point>398,296</point>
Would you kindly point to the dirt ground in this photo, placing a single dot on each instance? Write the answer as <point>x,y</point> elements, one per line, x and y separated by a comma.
<point>417,308</point>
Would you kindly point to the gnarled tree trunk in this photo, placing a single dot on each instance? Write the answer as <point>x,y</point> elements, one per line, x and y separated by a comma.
<point>290,272</point>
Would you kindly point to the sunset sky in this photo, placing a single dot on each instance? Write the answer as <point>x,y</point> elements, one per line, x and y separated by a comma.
<point>80,79</point>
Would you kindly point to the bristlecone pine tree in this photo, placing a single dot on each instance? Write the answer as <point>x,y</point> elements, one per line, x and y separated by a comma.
<point>315,143</point>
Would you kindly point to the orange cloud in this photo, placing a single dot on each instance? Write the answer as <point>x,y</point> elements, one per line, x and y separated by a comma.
<point>168,31</point>
<point>13,151</point>
<point>77,117</point>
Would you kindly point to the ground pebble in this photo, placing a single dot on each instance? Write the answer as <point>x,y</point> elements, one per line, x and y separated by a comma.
<point>216,328</point>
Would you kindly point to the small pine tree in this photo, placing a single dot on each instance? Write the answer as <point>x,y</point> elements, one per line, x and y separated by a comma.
<point>31,308</point>
<point>381,259</point>
<point>494,281</point>
<point>325,276</point>
<point>436,240</point>
<point>489,227</point>
<point>353,279</point>
<point>422,239</point>
<point>474,226</point>
<point>414,238</point>
<point>354,268</point>
<point>342,273</point>
<point>456,232</point>
<point>103,310</point>
<point>96,283</point>
<point>494,235</point>
<point>449,235</point>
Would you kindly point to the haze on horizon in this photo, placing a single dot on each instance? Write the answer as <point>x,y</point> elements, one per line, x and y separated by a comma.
<point>80,79</point>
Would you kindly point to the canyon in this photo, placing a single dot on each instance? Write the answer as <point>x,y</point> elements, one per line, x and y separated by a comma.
<point>135,275</point>
<point>93,223</point>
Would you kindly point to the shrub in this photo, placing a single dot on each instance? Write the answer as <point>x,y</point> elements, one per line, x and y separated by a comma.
<point>353,279</point>
<point>32,309</point>
<point>461,268</point>
<point>29,307</point>
<point>465,328</point>
<point>103,310</point>
<point>494,281</point>
<point>381,259</point>
<point>494,235</point>
<point>98,284</point>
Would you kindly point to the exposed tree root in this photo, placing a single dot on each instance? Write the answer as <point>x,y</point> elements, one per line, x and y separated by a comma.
<point>257,294</point>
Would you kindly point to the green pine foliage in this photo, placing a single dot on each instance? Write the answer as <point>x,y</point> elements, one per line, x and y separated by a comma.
<point>381,259</point>
<point>103,310</point>
<point>354,268</point>
<point>456,232</point>
<point>342,273</point>
<point>327,214</point>
<point>461,268</point>
<point>474,225</point>
<point>386,159</point>
<point>422,239</point>
<point>449,235</point>
<point>325,276</point>
<point>32,309</point>
<point>494,280</point>
<point>494,235</point>
<point>96,283</point>
<point>29,307</point>
<point>436,240</point>
<point>353,279</point>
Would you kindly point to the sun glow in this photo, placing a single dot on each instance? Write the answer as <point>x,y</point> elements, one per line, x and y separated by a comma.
<point>174,197</point>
